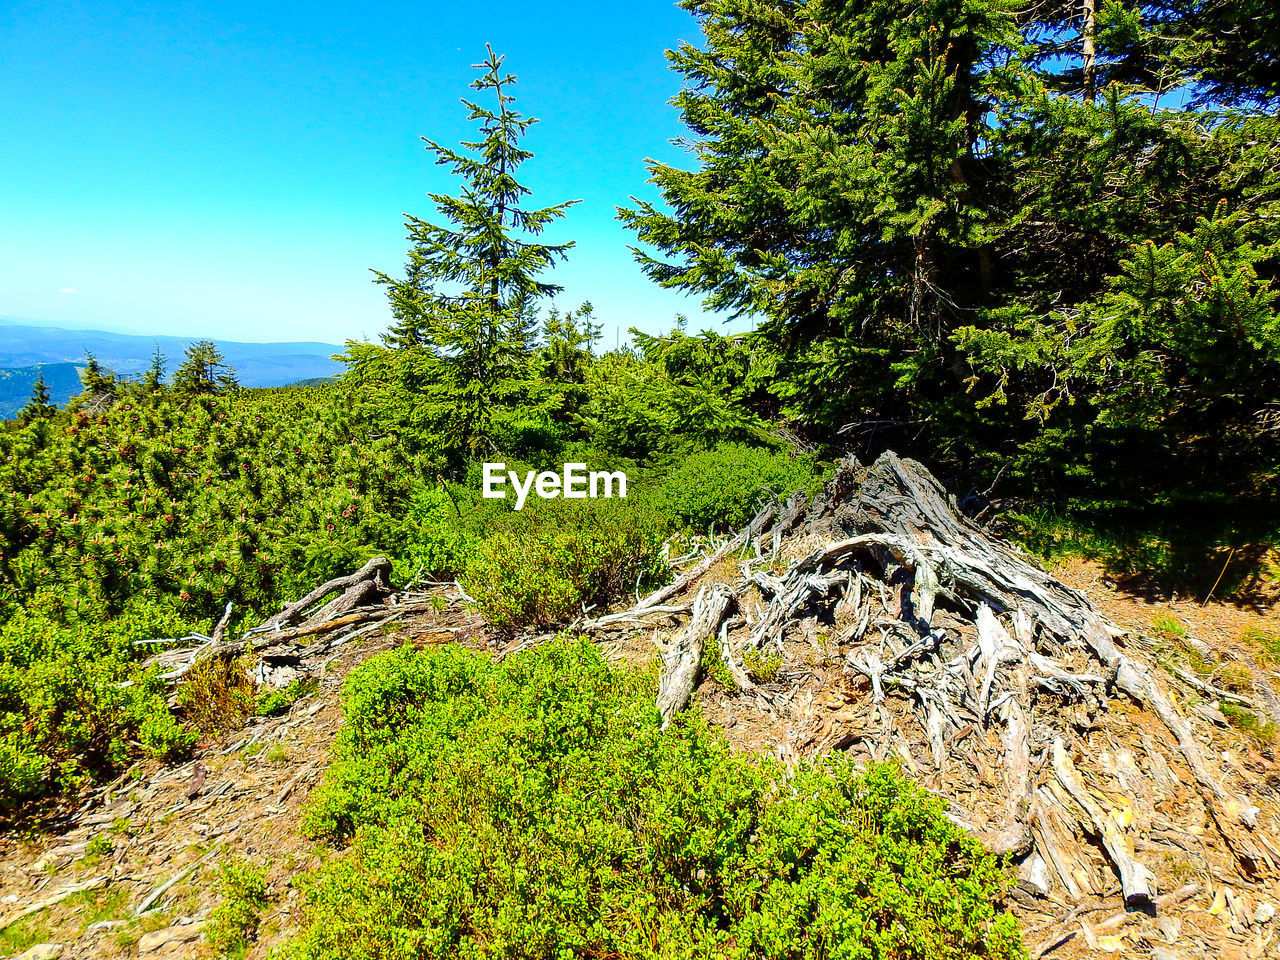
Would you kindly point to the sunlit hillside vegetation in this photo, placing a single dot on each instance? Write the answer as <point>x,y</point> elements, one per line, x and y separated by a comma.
<point>144,510</point>
<point>1033,245</point>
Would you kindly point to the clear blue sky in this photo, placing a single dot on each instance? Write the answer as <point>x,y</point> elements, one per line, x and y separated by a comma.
<point>233,169</point>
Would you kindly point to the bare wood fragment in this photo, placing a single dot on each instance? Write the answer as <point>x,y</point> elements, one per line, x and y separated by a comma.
<point>220,629</point>
<point>1015,742</point>
<point>1136,881</point>
<point>164,888</point>
<point>377,570</point>
<point>1210,689</point>
<point>682,583</point>
<point>680,666</point>
<point>53,900</point>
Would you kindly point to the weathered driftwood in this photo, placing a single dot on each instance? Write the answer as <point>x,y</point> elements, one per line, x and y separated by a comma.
<point>754,529</point>
<point>220,628</point>
<point>680,664</point>
<point>289,644</point>
<point>50,901</point>
<point>177,878</point>
<point>901,498</point>
<point>355,588</point>
<point>1136,881</point>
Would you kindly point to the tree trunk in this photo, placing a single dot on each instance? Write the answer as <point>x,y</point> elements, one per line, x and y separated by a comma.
<point>1088,33</point>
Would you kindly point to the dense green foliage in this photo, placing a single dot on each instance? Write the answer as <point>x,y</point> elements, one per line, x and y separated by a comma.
<point>144,510</point>
<point>994,232</point>
<point>727,485</point>
<point>143,521</point>
<point>535,808</point>
<point>463,308</point>
<point>548,564</point>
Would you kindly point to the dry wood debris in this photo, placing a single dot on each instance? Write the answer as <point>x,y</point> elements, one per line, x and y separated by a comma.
<point>301,638</point>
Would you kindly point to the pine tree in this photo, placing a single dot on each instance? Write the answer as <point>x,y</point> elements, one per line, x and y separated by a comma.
<point>99,386</point>
<point>204,372</point>
<point>39,406</point>
<point>472,281</point>
<point>153,378</point>
<point>841,190</point>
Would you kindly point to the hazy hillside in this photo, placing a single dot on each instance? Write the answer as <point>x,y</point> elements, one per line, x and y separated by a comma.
<point>63,380</point>
<point>256,364</point>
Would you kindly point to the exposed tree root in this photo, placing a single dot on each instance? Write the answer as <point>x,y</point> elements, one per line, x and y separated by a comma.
<point>984,674</point>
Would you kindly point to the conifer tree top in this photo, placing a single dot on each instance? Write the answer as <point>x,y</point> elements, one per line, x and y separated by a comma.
<point>483,255</point>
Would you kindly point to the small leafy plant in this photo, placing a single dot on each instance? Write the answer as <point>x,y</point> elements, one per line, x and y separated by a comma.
<point>234,922</point>
<point>763,665</point>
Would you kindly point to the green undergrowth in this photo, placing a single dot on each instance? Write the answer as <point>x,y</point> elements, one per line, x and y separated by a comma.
<point>1245,720</point>
<point>145,520</point>
<point>723,488</point>
<point>234,921</point>
<point>544,566</point>
<point>534,808</point>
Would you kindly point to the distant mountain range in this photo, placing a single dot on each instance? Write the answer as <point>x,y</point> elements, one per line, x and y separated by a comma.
<point>25,348</point>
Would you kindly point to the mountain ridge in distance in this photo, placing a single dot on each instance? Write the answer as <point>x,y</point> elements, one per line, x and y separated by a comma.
<point>25,347</point>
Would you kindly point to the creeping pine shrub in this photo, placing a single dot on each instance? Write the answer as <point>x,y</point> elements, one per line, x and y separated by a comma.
<point>540,566</point>
<point>725,486</point>
<point>534,808</point>
<point>763,665</point>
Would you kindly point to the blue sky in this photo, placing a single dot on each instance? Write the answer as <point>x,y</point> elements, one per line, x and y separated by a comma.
<point>234,169</point>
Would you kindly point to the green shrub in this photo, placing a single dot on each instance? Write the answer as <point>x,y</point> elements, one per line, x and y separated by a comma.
<point>763,665</point>
<point>534,808</point>
<point>277,701</point>
<point>66,713</point>
<point>540,566</point>
<point>439,540</point>
<point>144,520</point>
<point>234,921</point>
<point>724,487</point>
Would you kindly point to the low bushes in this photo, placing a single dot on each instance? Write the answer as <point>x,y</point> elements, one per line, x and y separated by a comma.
<point>234,921</point>
<point>534,808</point>
<point>64,714</point>
<point>725,486</point>
<point>542,565</point>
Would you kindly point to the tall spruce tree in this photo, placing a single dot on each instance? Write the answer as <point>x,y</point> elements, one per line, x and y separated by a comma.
<point>842,193</point>
<point>204,372</point>
<point>153,377</point>
<point>99,386</point>
<point>471,283</point>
